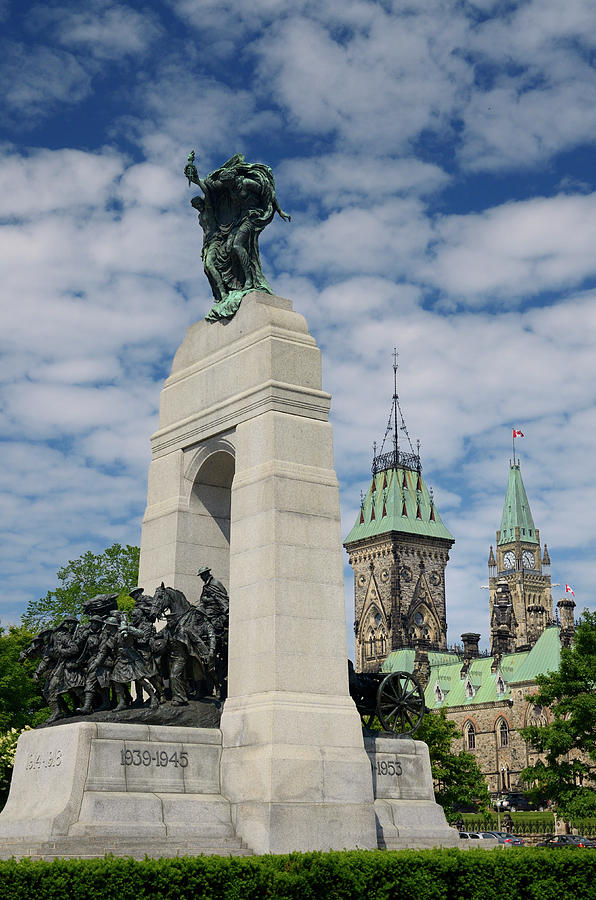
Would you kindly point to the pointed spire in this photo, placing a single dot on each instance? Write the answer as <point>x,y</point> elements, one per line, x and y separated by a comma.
<point>406,505</point>
<point>491,557</point>
<point>516,511</point>
<point>545,557</point>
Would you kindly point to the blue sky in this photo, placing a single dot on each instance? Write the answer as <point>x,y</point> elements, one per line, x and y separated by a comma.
<point>437,158</point>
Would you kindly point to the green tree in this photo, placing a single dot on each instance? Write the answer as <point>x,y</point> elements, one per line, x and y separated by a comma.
<point>116,569</point>
<point>459,782</point>
<point>21,701</point>
<point>568,742</point>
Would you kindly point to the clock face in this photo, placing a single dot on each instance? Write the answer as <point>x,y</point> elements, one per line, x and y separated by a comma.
<point>528,559</point>
<point>418,618</point>
<point>509,560</point>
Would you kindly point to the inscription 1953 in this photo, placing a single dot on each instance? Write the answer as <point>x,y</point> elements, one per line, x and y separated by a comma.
<point>159,758</point>
<point>388,767</point>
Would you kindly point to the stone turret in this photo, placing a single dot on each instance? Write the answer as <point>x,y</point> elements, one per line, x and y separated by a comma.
<point>503,622</point>
<point>421,663</point>
<point>566,606</point>
<point>470,641</point>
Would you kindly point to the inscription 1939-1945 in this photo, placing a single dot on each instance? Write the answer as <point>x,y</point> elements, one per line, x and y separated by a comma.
<point>388,767</point>
<point>159,758</point>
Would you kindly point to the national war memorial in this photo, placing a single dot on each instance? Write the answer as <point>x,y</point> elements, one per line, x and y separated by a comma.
<point>251,738</point>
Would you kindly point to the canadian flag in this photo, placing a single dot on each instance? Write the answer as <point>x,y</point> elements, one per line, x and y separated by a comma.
<point>569,589</point>
<point>517,433</point>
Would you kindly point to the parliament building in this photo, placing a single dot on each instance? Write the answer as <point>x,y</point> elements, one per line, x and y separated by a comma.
<point>399,549</point>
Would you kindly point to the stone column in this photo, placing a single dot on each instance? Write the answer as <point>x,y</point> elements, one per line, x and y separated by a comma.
<point>293,763</point>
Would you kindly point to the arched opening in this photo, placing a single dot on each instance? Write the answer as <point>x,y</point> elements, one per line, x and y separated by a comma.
<point>209,508</point>
<point>469,736</point>
<point>503,733</point>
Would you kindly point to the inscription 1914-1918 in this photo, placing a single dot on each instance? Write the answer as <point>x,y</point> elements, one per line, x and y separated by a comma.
<point>388,767</point>
<point>160,758</point>
<point>44,761</point>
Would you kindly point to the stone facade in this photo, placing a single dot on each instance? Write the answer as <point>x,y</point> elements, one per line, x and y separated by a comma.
<point>490,732</point>
<point>399,595</point>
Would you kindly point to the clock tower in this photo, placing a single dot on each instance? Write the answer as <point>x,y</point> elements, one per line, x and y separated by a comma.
<point>520,567</point>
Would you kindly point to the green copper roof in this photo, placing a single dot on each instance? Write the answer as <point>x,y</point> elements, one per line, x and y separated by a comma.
<point>516,511</point>
<point>398,500</point>
<point>545,656</point>
<point>445,670</point>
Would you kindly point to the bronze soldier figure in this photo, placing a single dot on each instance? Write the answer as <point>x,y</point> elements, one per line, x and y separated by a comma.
<point>215,604</point>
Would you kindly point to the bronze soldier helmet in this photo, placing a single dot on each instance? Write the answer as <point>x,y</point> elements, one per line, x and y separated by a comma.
<point>204,570</point>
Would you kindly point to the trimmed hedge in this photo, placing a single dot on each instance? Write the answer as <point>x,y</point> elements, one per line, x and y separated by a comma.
<point>370,875</point>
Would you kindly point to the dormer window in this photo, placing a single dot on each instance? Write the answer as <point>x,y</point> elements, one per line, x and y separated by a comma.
<point>469,689</point>
<point>439,695</point>
<point>500,684</point>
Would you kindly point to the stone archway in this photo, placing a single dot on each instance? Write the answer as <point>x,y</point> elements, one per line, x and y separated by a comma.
<point>209,513</point>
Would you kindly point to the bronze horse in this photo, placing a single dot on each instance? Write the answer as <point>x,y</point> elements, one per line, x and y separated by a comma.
<point>191,638</point>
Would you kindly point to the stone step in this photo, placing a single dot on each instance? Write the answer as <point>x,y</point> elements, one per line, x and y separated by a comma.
<point>93,849</point>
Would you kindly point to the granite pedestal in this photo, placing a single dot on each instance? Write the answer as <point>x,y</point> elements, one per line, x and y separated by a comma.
<point>88,788</point>
<point>242,479</point>
<point>405,807</point>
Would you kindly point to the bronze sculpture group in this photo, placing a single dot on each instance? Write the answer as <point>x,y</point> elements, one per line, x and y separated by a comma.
<point>90,666</point>
<point>238,202</point>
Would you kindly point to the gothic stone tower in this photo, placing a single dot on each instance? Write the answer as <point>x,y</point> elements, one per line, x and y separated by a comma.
<point>521,566</point>
<point>398,549</point>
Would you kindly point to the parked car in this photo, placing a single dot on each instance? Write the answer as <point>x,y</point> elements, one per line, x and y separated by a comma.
<point>513,840</point>
<point>516,803</point>
<point>560,840</point>
<point>469,835</point>
<point>582,841</point>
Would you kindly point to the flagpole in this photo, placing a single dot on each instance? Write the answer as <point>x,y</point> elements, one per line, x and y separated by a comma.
<point>513,442</point>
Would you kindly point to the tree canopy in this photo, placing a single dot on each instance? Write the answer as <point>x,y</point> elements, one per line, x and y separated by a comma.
<point>568,741</point>
<point>114,570</point>
<point>21,701</point>
<point>459,782</point>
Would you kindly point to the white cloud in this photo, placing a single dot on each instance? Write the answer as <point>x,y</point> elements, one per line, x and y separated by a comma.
<point>38,79</point>
<point>103,29</point>
<point>379,87</point>
<point>44,180</point>
<point>385,238</point>
<point>369,110</point>
<point>516,250</point>
<point>337,180</point>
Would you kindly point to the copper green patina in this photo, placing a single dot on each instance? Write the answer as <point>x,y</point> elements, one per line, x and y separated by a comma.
<point>490,684</point>
<point>239,202</point>
<point>398,500</point>
<point>516,511</point>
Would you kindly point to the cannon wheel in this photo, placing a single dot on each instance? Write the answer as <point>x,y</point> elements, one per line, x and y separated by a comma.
<point>400,703</point>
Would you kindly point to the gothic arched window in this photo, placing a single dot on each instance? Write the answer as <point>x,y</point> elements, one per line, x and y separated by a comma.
<point>503,733</point>
<point>470,736</point>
